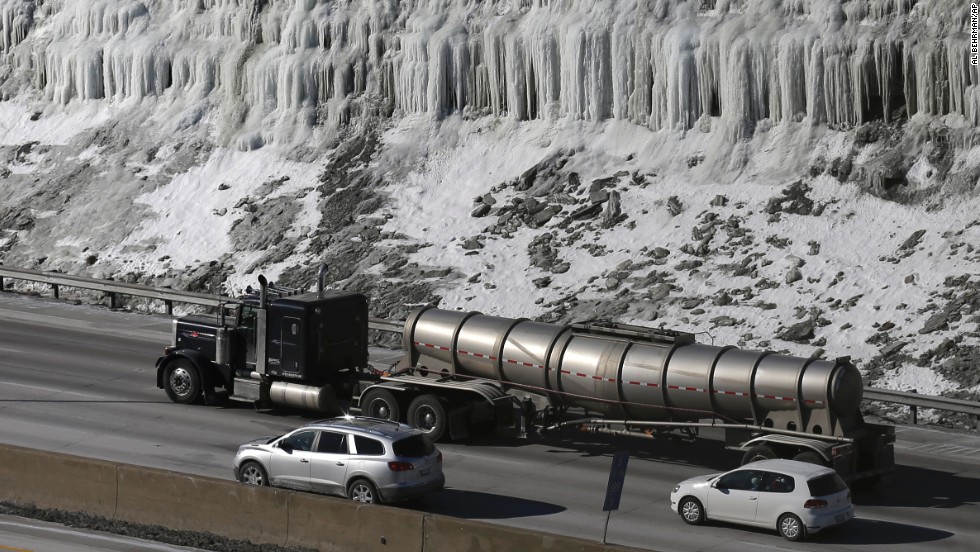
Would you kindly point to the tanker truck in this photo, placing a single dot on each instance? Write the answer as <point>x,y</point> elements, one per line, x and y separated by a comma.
<point>465,369</point>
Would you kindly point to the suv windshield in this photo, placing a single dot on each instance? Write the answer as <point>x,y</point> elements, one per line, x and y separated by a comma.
<point>826,485</point>
<point>414,446</point>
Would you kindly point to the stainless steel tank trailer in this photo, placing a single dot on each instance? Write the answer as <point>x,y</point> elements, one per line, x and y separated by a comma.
<point>464,370</point>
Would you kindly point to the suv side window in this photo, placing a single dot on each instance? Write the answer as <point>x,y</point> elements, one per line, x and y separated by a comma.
<point>332,443</point>
<point>301,440</point>
<point>742,480</point>
<point>779,483</point>
<point>368,447</point>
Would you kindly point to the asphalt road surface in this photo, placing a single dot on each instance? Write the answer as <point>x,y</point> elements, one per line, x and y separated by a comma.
<point>81,380</point>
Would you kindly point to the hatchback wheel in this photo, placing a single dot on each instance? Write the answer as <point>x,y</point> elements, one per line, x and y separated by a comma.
<point>691,510</point>
<point>791,528</point>
<point>362,490</point>
<point>252,473</point>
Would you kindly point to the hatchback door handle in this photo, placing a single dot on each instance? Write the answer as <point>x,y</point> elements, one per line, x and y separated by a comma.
<point>753,498</point>
<point>304,460</point>
<point>340,463</point>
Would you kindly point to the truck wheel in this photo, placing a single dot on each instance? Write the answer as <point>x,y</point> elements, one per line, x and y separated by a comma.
<point>380,403</point>
<point>427,414</point>
<point>182,382</point>
<point>252,473</point>
<point>362,490</point>
<point>758,452</point>
<point>810,457</point>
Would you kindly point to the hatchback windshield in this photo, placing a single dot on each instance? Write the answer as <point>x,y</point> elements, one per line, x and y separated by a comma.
<point>826,485</point>
<point>415,446</point>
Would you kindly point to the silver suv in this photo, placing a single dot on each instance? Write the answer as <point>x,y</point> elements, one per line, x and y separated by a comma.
<point>364,459</point>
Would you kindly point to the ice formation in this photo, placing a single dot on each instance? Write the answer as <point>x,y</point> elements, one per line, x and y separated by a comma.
<point>665,64</point>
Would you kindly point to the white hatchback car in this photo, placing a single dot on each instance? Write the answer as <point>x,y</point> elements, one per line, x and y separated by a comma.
<point>795,498</point>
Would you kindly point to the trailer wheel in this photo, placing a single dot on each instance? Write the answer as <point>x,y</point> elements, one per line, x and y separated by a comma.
<point>181,382</point>
<point>758,452</point>
<point>810,457</point>
<point>428,414</point>
<point>380,403</point>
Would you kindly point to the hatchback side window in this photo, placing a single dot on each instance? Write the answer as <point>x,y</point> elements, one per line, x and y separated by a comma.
<point>368,447</point>
<point>301,440</point>
<point>742,480</point>
<point>779,483</point>
<point>332,443</point>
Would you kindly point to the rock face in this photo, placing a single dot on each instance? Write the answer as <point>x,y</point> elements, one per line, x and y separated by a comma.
<point>635,161</point>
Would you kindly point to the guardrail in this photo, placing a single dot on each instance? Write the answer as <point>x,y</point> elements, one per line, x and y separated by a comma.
<point>55,279</point>
<point>113,289</point>
<point>915,401</point>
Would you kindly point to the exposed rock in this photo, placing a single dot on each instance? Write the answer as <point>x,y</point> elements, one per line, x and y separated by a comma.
<point>800,332</point>
<point>935,323</point>
<point>912,240</point>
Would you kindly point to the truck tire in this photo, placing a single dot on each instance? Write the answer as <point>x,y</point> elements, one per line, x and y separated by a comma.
<point>181,382</point>
<point>758,452</point>
<point>380,403</point>
<point>810,457</point>
<point>427,414</point>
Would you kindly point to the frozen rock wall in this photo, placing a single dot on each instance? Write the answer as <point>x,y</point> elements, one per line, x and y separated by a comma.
<point>665,64</point>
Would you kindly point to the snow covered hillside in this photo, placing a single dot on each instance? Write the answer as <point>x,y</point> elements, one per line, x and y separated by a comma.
<point>796,175</point>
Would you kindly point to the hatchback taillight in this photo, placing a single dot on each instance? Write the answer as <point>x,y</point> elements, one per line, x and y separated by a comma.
<point>815,504</point>
<point>401,466</point>
<point>439,459</point>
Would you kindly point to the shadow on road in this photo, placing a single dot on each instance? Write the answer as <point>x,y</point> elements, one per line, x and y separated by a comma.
<point>922,488</point>
<point>873,531</point>
<point>477,505</point>
<point>707,453</point>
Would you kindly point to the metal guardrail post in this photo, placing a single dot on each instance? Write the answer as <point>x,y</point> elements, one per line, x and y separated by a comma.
<point>914,410</point>
<point>55,288</point>
<point>112,301</point>
<point>170,307</point>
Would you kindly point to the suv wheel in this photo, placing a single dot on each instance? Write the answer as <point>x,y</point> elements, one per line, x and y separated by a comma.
<point>362,490</point>
<point>252,473</point>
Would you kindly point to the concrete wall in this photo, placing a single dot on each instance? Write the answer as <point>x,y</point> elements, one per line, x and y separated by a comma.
<point>259,514</point>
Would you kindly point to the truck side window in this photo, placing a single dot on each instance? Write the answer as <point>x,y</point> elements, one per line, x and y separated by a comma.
<point>248,316</point>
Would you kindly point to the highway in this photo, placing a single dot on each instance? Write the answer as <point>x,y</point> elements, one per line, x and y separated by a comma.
<point>81,380</point>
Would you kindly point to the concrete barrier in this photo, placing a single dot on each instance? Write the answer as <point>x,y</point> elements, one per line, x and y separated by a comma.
<point>194,503</point>
<point>336,525</point>
<point>55,480</point>
<point>259,514</point>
